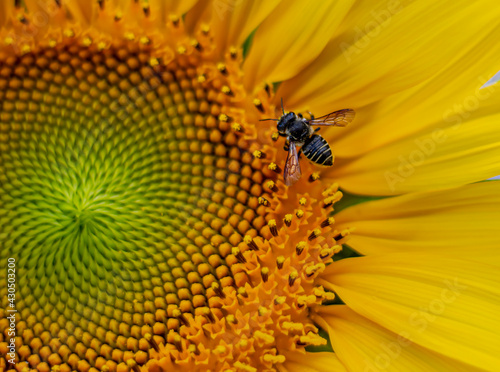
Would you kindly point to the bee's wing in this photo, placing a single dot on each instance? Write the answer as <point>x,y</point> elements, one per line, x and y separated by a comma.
<point>337,118</point>
<point>292,167</point>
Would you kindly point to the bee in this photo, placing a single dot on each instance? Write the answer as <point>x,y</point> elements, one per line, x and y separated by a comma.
<point>300,133</point>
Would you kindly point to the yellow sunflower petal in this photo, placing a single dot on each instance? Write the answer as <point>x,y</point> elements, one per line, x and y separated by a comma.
<point>433,104</point>
<point>363,345</point>
<point>312,362</point>
<point>291,37</point>
<point>159,12</point>
<point>172,7</point>
<point>444,304</point>
<point>5,11</point>
<point>239,21</point>
<point>81,11</point>
<point>385,47</point>
<point>437,158</point>
<point>462,221</point>
<point>230,22</point>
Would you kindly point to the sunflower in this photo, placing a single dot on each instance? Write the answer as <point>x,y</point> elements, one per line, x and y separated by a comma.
<point>145,224</point>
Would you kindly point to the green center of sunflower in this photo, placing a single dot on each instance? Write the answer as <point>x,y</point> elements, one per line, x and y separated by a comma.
<point>123,192</point>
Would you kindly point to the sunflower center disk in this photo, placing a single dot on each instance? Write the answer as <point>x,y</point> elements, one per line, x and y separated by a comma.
<point>146,220</point>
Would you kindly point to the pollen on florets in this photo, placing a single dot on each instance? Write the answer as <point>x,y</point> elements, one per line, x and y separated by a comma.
<point>258,104</point>
<point>314,177</point>
<point>274,167</point>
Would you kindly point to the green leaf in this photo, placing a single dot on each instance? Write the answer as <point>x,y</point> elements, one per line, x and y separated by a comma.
<point>348,200</point>
<point>327,347</point>
<point>248,43</point>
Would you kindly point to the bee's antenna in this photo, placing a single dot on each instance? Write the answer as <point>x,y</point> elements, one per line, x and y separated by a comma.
<point>269,119</point>
<point>282,109</point>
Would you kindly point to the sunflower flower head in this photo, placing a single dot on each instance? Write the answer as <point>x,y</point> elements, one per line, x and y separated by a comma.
<point>146,204</point>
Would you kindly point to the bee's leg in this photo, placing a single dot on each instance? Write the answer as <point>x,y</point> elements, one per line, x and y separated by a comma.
<point>311,115</point>
<point>317,129</point>
<point>287,145</point>
<point>299,153</point>
<point>300,115</point>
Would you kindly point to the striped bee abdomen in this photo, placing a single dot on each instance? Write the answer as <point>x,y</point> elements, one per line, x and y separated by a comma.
<point>317,150</point>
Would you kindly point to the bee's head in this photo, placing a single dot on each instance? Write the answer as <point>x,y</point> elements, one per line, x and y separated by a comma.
<point>284,122</point>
